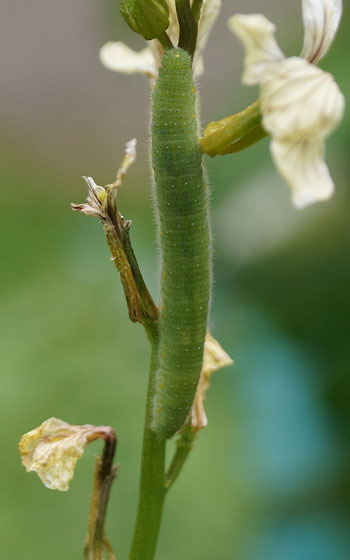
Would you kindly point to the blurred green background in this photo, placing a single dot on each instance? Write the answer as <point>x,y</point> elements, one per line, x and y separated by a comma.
<point>268,478</point>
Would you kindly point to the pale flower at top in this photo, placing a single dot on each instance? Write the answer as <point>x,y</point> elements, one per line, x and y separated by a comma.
<point>300,103</point>
<point>119,57</point>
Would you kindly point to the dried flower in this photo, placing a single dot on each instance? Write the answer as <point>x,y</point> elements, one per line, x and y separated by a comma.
<point>214,359</point>
<point>96,194</point>
<point>53,449</point>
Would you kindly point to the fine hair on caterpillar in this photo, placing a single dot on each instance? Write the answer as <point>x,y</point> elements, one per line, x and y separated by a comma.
<point>181,201</point>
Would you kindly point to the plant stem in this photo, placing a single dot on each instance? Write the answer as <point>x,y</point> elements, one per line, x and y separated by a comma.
<point>104,475</point>
<point>220,134</point>
<point>196,9</point>
<point>165,41</point>
<point>252,137</point>
<point>184,445</point>
<point>148,307</point>
<point>152,489</point>
<point>188,26</point>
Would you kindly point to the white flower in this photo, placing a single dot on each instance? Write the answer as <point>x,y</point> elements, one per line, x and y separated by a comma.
<point>119,57</point>
<point>300,103</point>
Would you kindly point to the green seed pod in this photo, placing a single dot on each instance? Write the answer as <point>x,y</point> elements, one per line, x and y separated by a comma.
<point>182,208</point>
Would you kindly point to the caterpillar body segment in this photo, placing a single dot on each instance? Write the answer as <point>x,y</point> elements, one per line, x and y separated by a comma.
<point>182,208</point>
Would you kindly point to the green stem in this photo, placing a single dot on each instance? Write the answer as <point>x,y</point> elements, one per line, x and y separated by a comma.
<point>165,41</point>
<point>196,9</point>
<point>252,137</point>
<point>184,445</point>
<point>219,135</point>
<point>188,26</point>
<point>152,489</point>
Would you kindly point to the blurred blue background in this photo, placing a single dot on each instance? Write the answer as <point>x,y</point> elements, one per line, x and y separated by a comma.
<point>268,479</point>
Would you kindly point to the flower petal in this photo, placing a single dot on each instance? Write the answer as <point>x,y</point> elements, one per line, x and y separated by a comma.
<point>53,449</point>
<point>214,359</point>
<point>119,57</point>
<point>93,205</point>
<point>173,29</point>
<point>321,20</point>
<point>129,158</point>
<point>209,13</point>
<point>301,164</point>
<point>299,100</point>
<point>256,33</point>
<point>157,52</point>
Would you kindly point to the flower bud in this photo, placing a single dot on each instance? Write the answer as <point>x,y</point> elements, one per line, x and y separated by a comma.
<point>148,18</point>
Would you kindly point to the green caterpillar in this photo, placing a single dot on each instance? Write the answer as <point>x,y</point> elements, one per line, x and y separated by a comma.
<point>182,207</point>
